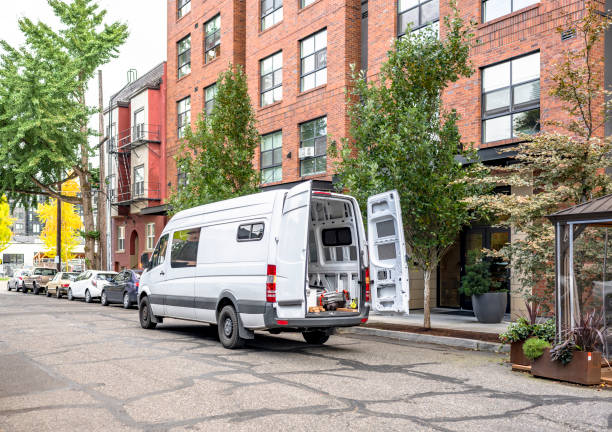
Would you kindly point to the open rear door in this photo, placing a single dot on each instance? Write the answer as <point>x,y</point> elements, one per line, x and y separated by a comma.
<point>388,266</point>
<point>291,252</point>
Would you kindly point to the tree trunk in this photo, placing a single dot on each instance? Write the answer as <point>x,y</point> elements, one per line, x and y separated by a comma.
<point>426,310</point>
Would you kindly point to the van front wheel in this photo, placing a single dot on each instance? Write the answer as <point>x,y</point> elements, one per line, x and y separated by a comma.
<point>145,314</point>
<point>229,333</point>
<point>316,337</point>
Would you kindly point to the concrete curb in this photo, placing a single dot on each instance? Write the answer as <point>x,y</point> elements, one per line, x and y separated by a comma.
<point>472,344</point>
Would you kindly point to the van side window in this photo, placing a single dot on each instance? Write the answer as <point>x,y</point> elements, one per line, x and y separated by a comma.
<point>250,232</point>
<point>337,237</point>
<point>184,250</point>
<point>159,255</point>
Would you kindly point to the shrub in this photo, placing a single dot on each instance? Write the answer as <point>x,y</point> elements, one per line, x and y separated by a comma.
<point>546,330</point>
<point>563,352</point>
<point>517,331</point>
<point>534,348</point>
<point>477,279</point>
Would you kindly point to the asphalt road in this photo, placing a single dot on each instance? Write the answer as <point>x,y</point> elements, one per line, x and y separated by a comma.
<point>83,367</point>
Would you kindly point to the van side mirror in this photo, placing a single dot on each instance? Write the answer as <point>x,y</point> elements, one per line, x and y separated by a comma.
<point>144,260</point>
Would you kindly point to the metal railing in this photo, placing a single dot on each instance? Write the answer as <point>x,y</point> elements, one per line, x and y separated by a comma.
<point>126,194</point>
<point>139,134</point>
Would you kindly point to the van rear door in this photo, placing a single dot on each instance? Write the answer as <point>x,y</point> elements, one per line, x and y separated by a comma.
<point>388,266</point>
<point>291,252</point>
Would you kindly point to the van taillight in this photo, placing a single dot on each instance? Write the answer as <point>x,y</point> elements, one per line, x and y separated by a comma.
<point>367,284</point>
<point>271,284</point>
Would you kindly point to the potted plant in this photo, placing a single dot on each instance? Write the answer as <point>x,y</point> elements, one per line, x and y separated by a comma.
<point>488,300</point>
<point>534,348</point>
<point>577,357</point>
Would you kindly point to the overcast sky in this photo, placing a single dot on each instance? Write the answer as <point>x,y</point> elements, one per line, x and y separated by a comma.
<point>144,49</point>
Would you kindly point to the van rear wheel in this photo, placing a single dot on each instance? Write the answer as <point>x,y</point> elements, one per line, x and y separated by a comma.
<point>316,337</point>
<point>228,327</point>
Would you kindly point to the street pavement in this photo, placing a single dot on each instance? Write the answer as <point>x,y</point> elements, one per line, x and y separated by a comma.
<point>83,367</point>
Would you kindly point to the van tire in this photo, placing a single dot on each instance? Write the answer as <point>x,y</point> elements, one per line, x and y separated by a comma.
<point>316,337</point>
<point>228,328</point>
<point>145,314</point>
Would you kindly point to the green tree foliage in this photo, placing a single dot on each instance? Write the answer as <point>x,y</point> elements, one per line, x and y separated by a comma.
<point>477,278</point>
<point>404,139</point>
<point>554,170</point>
<point>217,157</point>
<point>43,114</point>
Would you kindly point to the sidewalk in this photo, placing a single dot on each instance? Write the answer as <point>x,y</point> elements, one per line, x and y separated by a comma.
<point>448,327</point>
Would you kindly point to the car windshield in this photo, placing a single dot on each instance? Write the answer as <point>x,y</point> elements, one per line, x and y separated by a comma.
<point>47,272</point>
<point>105,276</point>
<point>69,276</point>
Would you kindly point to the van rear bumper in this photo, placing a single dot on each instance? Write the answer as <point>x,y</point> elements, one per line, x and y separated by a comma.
<point>271,321</point>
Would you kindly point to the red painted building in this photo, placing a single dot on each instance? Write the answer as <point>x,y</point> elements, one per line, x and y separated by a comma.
<point>136,168</point>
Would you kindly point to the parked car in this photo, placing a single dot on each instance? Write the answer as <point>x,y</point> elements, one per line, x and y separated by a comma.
<point>16,282</point>
<point>123,288</point>
<point>39,278</point>
<point>283,260</point>
<point>88,285</point>
<point>58,286</point>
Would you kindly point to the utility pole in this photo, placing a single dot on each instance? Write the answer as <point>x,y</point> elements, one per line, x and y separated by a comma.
<point>59,234</point>
<point>102,190</point>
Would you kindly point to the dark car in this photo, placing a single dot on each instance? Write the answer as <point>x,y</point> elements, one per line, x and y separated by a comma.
<point>123,288</point>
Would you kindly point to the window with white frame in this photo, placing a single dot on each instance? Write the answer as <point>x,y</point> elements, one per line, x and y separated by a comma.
<point>212,41</point>
<point>417,14</point>
<point>121,238</point>
<point>304,3</point>
<point>139,177</point>
<point>182,8</point>
<point>313,55</point>
<point>150,235</point>
<point>272,157</point>
<point>511,98</point>
<point>210,93</point>
<point>492,9</point>
<point>139,125</point>
<point>271,13</point>
<point>313,147</point>
<point>183,110</point>
<point>183,48</point>
<point>271,71</point>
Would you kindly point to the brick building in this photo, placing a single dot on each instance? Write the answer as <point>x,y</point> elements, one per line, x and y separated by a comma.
<point>297,57</point>
<point>135,167</point>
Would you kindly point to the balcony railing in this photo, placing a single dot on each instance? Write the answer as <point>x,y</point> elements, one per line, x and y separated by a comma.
<point>139,134</point>
<point>138,191</point>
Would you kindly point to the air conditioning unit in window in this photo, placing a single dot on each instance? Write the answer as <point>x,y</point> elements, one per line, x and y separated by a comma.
<point>306,152</point>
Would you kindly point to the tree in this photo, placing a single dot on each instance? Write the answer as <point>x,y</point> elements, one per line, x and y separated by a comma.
<point>403,138</point>
<point>557,169</point>
<point>43,112</point>
<point>71,223</point>
<point>6,221</point>
<point>217,157</point>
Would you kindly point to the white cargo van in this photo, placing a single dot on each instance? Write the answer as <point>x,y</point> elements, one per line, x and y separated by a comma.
<point>283,260</point>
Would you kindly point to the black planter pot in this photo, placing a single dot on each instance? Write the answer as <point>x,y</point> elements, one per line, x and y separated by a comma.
<point>489,308</point>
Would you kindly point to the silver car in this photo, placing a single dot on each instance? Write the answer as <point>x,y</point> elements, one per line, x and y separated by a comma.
<point>16,282</point>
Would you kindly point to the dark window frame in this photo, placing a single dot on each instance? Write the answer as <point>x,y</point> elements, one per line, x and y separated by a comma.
<point>274,164</point>
<point>181,115</point>
<point>266,13</point>
<point>510,111</point>
<point>313,139</point>
<point>336,231</point>
<point>275,85</point>
<point>209,104</point>
<point>250,226</point>
<point>180,6</point>
<point>186,53</point>
<point>212,40</point>
<point>315,55</point>
<point>421,25</point>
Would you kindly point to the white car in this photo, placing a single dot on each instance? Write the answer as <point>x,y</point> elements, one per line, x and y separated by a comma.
<point>16,282</point>
<point>88,285</point>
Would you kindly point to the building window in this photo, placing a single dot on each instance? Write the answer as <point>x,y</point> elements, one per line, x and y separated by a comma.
<point>492,9</point>
<point>272,157</point>
<point>417,14</point>
<point>313,147</point>
<point>304,3</point>
<point>16,259</point>
<point>210,93</point>
<point>121,238</point>
<point>313,54</point>
<point>183,48</point>
<point>139,125</point>
<point>18,226</point>
<point>271,71</point>
<point>181,178</point>
<point>183,109</point>
<point>271,13</point>
<point>212,42</point>
<point>139,181</point>
<point>182,8</point>
<point>511,98</point>
<point>36,228</point>
<point>150,235</point>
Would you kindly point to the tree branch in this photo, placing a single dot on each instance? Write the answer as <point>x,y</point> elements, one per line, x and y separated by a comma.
<point>54,194</point>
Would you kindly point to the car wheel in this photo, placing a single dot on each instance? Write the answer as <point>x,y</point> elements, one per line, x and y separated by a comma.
<point>316,337</point>
<point>70,297</point>
<point>58,294</point>
<point>35,289</point>
<point>87,296</point>
<point>145,314</point>
<point>8,287</point>
<point>103,299</point>
<point>47,293</point>
<point>24,290</point>
<point>228,328</point>
<point>126,301</point>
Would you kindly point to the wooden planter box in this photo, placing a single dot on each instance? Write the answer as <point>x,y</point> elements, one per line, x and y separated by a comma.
<point>516,354</point>
<point>580,370</point>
